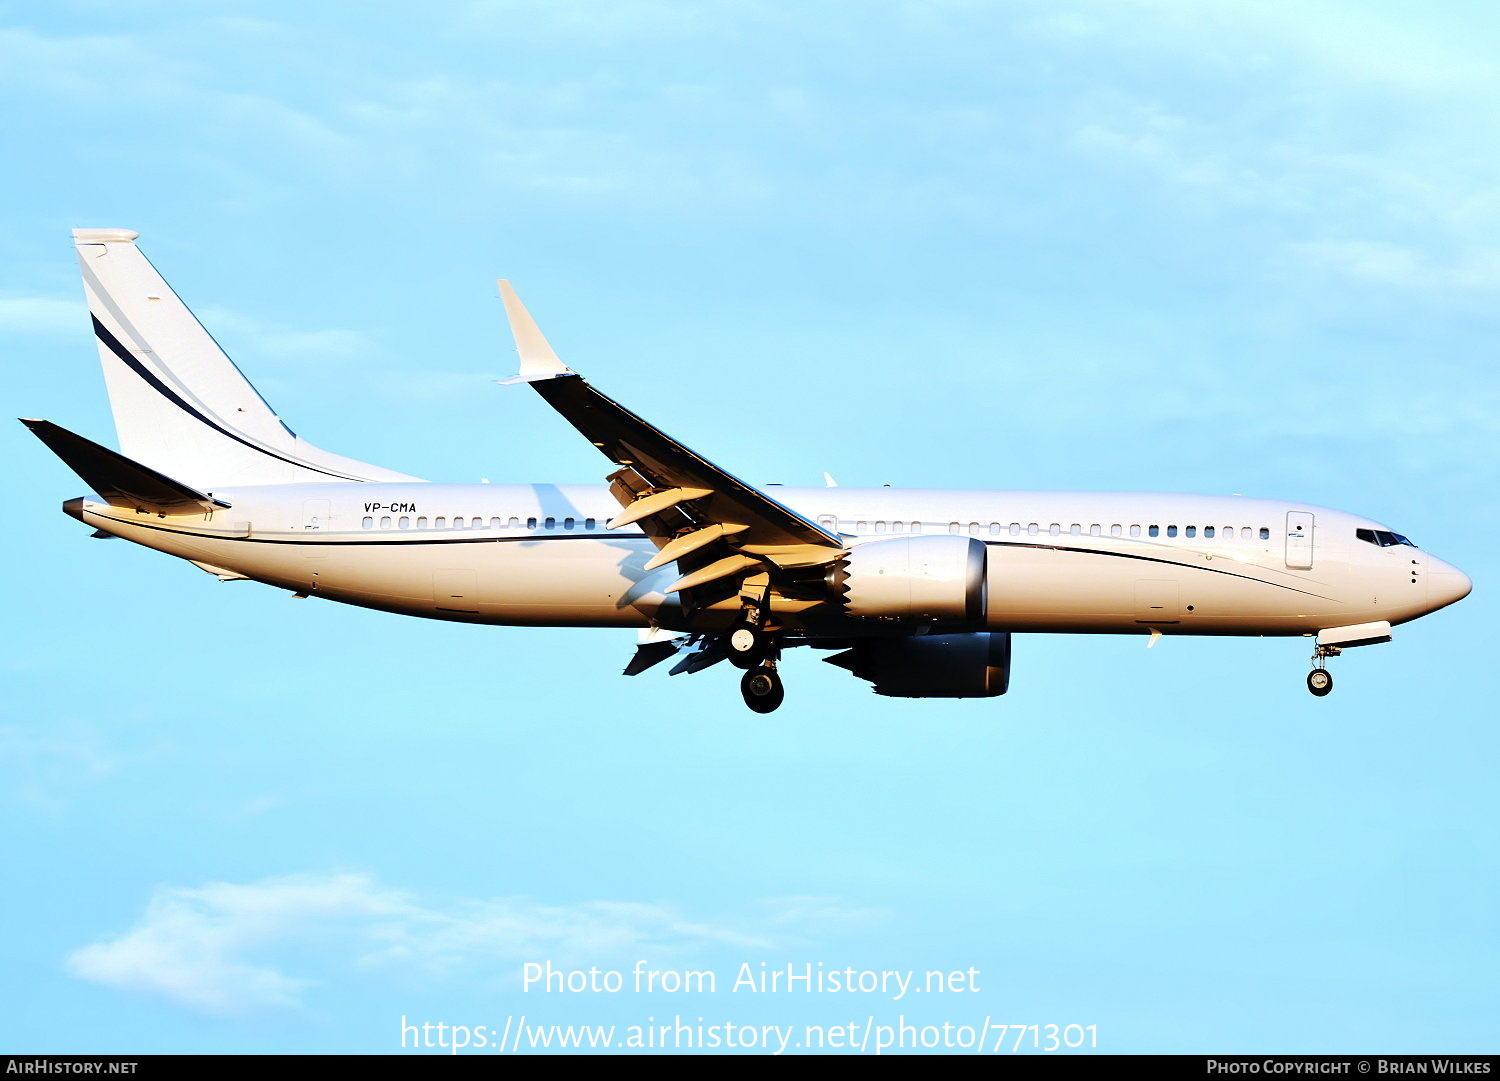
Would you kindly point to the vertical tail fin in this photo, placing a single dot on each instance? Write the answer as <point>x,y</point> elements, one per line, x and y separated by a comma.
<point>180,404</point>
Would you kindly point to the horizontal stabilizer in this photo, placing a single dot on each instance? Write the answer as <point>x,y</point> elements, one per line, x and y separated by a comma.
<point>120,481</point>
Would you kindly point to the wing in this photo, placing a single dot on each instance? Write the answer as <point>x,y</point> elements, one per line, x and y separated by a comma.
<point>714,526</point>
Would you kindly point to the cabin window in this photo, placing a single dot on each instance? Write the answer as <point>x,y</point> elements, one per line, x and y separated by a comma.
<point>1015,529</point>
<point>1191,531</point>
<point>1265,534</point>
<point>368,523</point>
<point>385,523</point>
<point>1096,530</point>
<point>477,523</point>
<point>550,523</point>
<point>954,527</point>
<point>1032,529</point>
<point>1055,529</point>
<point>568,523</point>
<point>496,523</point>
<point>1076,530</point>
<point>1208,532</point>
<point>896,527</point>
<point>973,529</point>
<point>590,523</point>
<point>403,523</point>
<point>1135,531</point>
<point>1116,530</point>
<point>1154,530</point>
<point>1171,531</point>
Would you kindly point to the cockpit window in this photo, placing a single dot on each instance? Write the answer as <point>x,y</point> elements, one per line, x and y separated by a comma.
<point>1382,538</point>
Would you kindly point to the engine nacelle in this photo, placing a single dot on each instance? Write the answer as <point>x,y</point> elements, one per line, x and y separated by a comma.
<point>933,665</point>
<point>936,579</point>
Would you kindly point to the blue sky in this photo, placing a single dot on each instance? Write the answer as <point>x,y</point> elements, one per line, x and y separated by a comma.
<point>1221,247</point>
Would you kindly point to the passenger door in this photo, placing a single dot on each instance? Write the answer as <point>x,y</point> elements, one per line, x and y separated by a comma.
<point>1299,540</point>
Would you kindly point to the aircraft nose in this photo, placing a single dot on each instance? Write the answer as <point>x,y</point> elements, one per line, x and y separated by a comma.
<point>1446,584</point>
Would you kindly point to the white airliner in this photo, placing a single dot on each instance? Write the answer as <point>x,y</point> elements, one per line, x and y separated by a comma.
<point>918,590</point>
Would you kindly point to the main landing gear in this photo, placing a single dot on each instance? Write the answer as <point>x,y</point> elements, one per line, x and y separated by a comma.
<point>1320,679</point>
<point>749,642</point>
<point>762,689</point>
<point>753,644</point>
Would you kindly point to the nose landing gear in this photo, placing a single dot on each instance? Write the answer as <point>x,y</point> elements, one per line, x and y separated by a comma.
<point>1320,679</point>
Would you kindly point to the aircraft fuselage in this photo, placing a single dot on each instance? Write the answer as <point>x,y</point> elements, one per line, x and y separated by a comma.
<point>541,555</point>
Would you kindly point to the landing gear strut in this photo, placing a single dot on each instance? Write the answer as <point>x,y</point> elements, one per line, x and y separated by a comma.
<point>747,644</point>
<point>754,644</point>
<point>1320,679</point>
<point>751,640</point>
<point>761,688</point>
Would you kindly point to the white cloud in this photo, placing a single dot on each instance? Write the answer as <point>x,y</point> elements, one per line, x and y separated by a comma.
<point>1343,125</point>
<point>224,948</point>
<point>1180,151</point>
<point>1397,45</point>
<point>629,18</point>
<point>49,764</point>
<point>568,136</point>
<point>1403,266</point>
<point>272,341</point>
<point>191,945</point>
<point>107,82</point>
<point>81,748</point>
<point>43,315</point>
